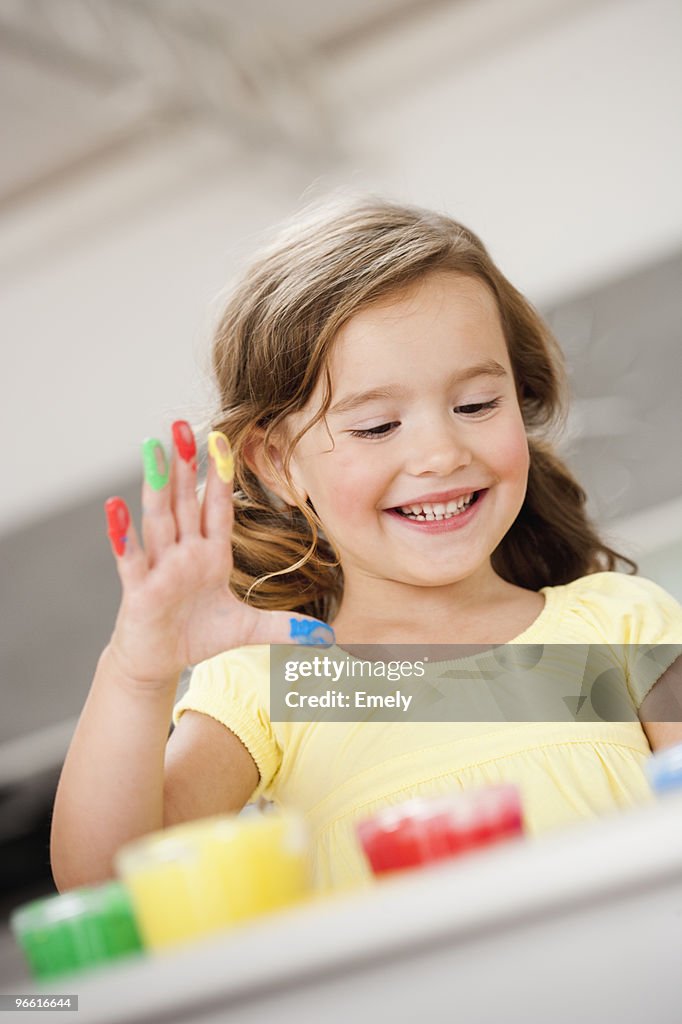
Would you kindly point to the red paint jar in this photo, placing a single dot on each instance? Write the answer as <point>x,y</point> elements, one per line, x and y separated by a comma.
<point>422,831</point>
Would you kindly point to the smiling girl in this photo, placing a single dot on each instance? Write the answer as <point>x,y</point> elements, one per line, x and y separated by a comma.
<point>390,402</point>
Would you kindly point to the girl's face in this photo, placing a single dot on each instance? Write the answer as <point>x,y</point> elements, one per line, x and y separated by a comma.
<point>423,404</point>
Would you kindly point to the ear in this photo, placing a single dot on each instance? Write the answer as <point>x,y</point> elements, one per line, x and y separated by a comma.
<point>254,456</point>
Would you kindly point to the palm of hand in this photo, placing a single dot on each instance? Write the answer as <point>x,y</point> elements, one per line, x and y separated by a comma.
<point>177,608</point>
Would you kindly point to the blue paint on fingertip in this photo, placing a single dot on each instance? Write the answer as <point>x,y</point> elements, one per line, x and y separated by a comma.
<point>311,633</point>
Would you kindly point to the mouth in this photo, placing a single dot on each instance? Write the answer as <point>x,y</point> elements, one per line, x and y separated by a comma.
<point>437,518</point>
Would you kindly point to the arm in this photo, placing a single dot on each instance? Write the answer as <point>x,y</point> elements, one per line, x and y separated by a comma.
<point>203,749</point>
<point>119,781</point>
<point>121,740</point>
<point>111,786</point>
<point>661,710</point>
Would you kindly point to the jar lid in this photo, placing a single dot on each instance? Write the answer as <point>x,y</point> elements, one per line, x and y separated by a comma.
<point>189,841</point>
<point>664,769</point>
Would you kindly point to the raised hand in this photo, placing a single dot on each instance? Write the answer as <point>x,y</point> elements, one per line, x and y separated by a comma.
<point>177,608</point>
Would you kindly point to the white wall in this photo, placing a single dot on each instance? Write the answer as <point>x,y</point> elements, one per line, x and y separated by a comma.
<point>560,147</point>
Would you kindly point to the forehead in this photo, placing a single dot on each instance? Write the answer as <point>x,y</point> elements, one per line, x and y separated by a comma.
<point>443,315</point>
<point>444,322</point>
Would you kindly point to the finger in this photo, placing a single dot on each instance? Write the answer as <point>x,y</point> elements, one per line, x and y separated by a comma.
<point>131,560</point>
<point>184,480</point>
<point>159,530</point>
<point>289,628</point>
<point>218,511</point>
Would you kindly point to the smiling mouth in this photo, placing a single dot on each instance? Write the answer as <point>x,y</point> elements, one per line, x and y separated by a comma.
<point>432,517</point>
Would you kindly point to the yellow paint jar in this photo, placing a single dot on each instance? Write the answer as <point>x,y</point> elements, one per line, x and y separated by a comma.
<point>202,876</point>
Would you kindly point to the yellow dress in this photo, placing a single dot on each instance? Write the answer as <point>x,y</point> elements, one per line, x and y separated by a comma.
<point>339,772</point>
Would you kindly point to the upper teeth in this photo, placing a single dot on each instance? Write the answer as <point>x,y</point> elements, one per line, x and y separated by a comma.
<point>438,508</point>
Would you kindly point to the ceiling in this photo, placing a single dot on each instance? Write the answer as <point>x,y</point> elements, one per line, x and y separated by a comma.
<point>80,80</point>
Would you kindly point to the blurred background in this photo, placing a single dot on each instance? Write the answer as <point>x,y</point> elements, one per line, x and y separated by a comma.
<point>146,148</point>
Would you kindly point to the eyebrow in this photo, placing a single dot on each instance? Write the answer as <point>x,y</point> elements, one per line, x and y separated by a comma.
<point>488,368</point>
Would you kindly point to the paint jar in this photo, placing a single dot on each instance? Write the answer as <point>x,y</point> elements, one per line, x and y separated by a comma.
<point>664,770</point>
<point>77,930</point>
<point>423,830</point>
<point>203,876</point>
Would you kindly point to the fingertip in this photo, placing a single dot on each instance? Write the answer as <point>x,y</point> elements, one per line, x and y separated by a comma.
<point>184,441</point>
<point>118,523</point>
<point>220,451</point>
<point>155,462</point>
<point>311,633</point>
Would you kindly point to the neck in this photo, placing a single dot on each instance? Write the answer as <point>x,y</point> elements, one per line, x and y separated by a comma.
<point>392,612</point>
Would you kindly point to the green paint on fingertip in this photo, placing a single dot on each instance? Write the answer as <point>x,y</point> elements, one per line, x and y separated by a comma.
<point>156,467</point>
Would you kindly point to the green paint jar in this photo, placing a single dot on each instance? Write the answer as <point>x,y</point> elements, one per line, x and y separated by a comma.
<point>79,929</point>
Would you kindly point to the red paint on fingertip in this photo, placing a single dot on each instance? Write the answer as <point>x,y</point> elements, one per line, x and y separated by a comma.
<point>118,521</point>
<point>183,438</point>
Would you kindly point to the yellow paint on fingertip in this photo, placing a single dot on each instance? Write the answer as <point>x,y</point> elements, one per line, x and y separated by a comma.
<point>220,451</point>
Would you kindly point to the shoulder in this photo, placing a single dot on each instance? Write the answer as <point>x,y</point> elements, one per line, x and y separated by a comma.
<point>239,677</point>
<point>617,586</point>
<point>249,663</point>
<point>621,608</point>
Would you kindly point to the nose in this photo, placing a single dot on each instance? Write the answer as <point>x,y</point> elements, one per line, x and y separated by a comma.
<point>438,446</point>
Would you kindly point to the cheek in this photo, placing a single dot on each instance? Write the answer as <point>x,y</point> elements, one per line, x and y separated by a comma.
<point>511,455</point>
<point>350,484</point>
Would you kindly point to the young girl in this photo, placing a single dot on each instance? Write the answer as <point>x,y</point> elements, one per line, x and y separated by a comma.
<point>389,400</point>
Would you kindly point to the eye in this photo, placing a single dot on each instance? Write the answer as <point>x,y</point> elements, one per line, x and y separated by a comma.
<point>372,431</point>
<point>475,409</point>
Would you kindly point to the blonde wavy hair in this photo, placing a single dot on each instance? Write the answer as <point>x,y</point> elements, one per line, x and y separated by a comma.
<point>274,341</point>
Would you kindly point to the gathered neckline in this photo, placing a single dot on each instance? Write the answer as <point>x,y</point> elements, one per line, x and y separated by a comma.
<point>552,603</point>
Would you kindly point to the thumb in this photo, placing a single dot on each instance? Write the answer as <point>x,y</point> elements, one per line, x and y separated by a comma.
<point>290,628</point>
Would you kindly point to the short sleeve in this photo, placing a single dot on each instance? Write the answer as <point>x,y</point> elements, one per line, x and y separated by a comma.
<point>652,627</point>
<point>233,688</point>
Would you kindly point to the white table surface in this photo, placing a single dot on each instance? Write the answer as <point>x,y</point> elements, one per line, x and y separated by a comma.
<point>578,926</point>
